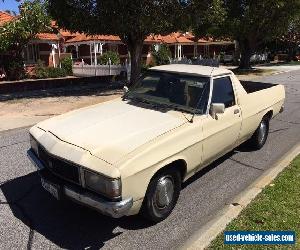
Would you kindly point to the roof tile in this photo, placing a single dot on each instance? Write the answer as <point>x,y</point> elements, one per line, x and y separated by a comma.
<point>5,17</point>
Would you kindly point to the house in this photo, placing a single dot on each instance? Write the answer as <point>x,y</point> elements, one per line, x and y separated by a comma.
<point>89,48</point>
<point>45,47</point>
<point>5,17</point>
<point>51,47</point>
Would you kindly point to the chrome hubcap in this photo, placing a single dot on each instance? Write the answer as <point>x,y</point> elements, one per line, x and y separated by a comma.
<point>164,192</point>
<point>262,131</point>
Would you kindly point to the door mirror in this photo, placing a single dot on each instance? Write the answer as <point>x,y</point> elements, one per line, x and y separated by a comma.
<point>125,90</point>
<point>217,108</point>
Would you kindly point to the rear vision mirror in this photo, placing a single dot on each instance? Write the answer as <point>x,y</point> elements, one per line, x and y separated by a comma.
<point>216,108</point>
<point>125,90</point>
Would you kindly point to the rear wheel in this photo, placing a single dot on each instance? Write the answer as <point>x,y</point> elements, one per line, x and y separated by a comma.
<point>162,195</point>
<point>260,136</point>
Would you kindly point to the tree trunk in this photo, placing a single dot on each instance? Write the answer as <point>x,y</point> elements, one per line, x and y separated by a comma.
<point>246,49</point>
<point>135,48</point>
<point>245,60</point>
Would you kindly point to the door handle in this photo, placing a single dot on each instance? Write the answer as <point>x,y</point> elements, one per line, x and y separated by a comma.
<point>236,111</point>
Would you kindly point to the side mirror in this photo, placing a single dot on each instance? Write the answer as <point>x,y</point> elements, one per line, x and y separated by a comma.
<point>125,89</point>
<point>217,108</point>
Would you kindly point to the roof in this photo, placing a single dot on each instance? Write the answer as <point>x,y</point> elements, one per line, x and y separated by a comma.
<point>47,36</point>
<point>173,38</point>
<point>85,38</point>
<point>177,37</point>
<point>153,39</point>
<point>66,33</point>
<point>193,69</point>
<point>5,17</point>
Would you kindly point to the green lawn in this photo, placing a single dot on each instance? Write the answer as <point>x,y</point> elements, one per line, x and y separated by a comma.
<point>276,208</point>
<point>293,63</point>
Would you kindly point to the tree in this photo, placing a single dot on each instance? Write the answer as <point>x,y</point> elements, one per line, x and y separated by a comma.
<point>131,20</point>
<point>162,56</point>
<point>292,37</point>
<point>252,23</point>
<point>15,35</point>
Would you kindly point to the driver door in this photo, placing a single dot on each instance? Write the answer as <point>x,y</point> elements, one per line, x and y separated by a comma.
<point>221,134</point>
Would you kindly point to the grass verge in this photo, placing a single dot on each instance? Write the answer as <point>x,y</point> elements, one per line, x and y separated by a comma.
<point>276,208</point>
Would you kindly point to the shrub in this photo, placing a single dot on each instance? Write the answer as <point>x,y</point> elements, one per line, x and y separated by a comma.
<point>162,56</point>
<point>67,65</point>
<point>145,67</point>
<point>43,72</point>
<point>56,72</point>
<point>112,55</point>
<point>15,69</point>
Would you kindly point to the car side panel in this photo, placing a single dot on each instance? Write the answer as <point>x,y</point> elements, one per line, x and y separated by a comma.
<point>256,105</point>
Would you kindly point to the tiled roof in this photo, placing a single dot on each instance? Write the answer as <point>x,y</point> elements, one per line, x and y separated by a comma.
<point>5,17</point>
<point>169,39</point>
<point>153,39</point>
<point>177,37</point>
<point>85,38</point>
<point>66,33</point>
<point>173,38</point>
<point>47,36</point>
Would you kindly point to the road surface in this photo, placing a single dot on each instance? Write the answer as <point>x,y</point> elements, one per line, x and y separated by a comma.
<point>30,218</point>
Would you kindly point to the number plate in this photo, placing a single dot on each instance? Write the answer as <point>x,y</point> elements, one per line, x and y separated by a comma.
<point>51,188</point>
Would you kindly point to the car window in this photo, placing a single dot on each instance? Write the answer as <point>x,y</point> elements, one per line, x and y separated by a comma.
<point>223,92</point>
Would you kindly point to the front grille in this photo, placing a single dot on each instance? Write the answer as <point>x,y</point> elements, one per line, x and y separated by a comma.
<point>59,167</point>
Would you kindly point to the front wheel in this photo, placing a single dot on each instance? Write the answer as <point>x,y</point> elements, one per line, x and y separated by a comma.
<point>162,195</point>
<point>260,136</point>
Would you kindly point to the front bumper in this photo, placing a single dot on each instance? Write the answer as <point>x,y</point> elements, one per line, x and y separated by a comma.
<point>114,209</point>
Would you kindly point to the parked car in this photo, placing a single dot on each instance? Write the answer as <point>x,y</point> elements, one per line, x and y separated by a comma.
<point>228,58</point>
<point>259,58</point>
<point>131,155</point>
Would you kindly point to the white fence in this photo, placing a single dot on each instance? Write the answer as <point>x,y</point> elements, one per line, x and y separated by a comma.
<point>98,70</point>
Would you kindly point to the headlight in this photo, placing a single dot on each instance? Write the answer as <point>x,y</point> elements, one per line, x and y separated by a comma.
<point>110,188</point>
<point>34,145</point>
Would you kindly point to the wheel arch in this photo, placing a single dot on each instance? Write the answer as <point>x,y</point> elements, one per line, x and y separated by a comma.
<point>269,115</point>
<point>179,164</point>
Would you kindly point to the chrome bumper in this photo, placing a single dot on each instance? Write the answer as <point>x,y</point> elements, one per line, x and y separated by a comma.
<point>114,209</point>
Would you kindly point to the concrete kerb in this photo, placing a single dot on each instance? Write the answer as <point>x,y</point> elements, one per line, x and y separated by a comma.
<point>205,235</point>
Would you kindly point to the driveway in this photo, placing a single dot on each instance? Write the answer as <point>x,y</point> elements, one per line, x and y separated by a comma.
<point>30,218</point>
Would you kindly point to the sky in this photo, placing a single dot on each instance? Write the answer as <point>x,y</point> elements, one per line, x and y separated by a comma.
<point>9,5</point>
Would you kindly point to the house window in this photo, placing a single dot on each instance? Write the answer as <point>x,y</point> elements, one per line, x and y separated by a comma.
<point>113,47</point>
<point>31,53</point>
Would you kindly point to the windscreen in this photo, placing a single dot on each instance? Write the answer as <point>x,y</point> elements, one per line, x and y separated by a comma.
<point>185,92</point>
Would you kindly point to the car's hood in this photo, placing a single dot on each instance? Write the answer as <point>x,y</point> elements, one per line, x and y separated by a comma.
<point>111,130</point>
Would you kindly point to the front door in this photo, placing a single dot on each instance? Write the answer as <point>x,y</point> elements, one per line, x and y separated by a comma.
<point>222,133</point>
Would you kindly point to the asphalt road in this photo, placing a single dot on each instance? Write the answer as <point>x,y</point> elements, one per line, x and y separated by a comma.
<point>30,218</point>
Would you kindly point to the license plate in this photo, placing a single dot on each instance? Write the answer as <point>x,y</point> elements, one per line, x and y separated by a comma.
<point>51,188</point>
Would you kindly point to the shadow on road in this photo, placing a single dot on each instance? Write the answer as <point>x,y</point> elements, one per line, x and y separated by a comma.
<point>66,224</point>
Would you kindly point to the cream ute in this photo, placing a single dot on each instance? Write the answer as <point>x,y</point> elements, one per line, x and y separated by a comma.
<point>132,154</point>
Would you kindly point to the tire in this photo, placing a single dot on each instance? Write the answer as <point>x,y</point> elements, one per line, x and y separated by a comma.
<point>162,195</point>
<point>260,136</point>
